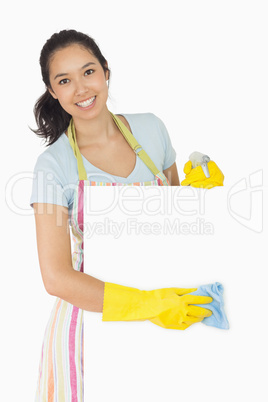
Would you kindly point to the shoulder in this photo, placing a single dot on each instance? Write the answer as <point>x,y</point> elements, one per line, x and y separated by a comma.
<point>55,174</point>
<point>56,151</point>
<point>147,126</point>
<point>138,117</point>
<point>152,134</point>
<point>142,122</point>
<point>57,159</point>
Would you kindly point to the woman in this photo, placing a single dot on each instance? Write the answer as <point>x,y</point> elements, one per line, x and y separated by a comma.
<point>90,145</point>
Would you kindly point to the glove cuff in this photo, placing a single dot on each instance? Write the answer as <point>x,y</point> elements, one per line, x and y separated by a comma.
<point>121,303</point>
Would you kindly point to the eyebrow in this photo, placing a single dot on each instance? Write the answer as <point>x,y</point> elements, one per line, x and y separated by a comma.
<point>63,74</point>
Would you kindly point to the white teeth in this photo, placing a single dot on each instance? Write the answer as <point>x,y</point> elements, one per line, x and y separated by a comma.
<point>87,102</point>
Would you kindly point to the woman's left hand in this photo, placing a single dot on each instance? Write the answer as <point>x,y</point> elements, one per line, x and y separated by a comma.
<point>195,177</point>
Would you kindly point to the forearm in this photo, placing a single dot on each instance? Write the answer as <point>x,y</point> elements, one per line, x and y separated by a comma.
<point>81,290</point>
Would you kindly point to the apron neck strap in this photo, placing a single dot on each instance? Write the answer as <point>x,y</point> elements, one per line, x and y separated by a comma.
<point>127,135</point>
<point>72,139</point>
<point>137,148</point>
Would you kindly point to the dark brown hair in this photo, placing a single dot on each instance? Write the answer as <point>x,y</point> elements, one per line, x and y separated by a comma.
<point>51,119</point>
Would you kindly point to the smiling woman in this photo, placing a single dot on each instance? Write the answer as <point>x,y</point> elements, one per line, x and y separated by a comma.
<point>90,146</point>
<point>78,89</point>
<point>65,59</point>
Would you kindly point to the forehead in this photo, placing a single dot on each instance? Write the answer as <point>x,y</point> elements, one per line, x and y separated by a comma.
<point>70,58</point>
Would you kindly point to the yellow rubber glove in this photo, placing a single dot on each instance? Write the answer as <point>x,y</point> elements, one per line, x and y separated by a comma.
<point>196,177</point>
<point>169,308</point>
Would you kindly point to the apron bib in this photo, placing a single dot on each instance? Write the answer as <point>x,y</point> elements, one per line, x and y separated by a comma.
<point>61,368</point>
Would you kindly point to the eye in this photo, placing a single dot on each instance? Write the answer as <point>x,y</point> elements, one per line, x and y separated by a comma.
<point>89,72</point>
<point>64,81</point>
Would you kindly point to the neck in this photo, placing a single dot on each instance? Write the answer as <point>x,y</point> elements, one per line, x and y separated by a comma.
<point>94,131</point>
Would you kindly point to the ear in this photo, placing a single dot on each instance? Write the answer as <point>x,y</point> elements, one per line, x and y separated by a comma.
<point>52,93</point>
<point>107,72</point>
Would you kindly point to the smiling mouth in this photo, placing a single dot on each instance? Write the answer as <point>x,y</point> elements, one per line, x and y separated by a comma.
<point>87,102</point>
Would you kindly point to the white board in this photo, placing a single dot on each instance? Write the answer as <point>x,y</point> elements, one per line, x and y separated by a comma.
<point>154,237</point>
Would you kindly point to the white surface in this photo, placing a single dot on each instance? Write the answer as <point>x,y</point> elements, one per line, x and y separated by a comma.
<point>202,67</point>
<point>149,238</point>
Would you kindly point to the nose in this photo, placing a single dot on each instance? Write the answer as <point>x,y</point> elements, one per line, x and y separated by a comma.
<point>80,88</point>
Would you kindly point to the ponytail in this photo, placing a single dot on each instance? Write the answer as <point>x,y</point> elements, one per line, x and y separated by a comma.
<point>52,120</point>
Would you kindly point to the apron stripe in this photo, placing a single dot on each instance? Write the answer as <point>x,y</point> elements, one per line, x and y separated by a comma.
<point>51,369</point>
<point>82,360</point>
<point>59,349</point>
<point>157,182</point>
<point>72,350</point>
<point>81,216</point>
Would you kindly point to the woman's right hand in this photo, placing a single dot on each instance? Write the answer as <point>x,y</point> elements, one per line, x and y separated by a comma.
<point>171,308</point>
<point>179,310</point>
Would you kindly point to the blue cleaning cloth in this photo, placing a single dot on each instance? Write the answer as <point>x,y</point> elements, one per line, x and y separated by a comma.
<point>218,318</point>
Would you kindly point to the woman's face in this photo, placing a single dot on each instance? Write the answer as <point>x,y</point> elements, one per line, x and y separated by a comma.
<point>78,81</point>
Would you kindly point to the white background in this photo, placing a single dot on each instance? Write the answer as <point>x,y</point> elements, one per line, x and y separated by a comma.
<point>201,66</point>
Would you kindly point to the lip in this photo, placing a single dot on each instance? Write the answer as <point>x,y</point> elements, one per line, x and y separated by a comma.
<point>84,100</point>
<point>88,107</point>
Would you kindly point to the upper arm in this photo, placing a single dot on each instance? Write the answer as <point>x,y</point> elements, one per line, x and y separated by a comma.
<point>172,174</point>
<point>164,142</point>
<point>53,242</point>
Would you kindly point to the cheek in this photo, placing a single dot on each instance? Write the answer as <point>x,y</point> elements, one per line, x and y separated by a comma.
<point>65,99</point>
<point>99,82</point>
<point>65,95</point>
<point>104,88</point>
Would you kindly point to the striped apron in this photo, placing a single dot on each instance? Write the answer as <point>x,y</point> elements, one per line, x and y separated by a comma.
<point>61,374</point>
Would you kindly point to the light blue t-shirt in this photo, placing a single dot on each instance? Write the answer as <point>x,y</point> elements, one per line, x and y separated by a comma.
<point>56,173</point>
